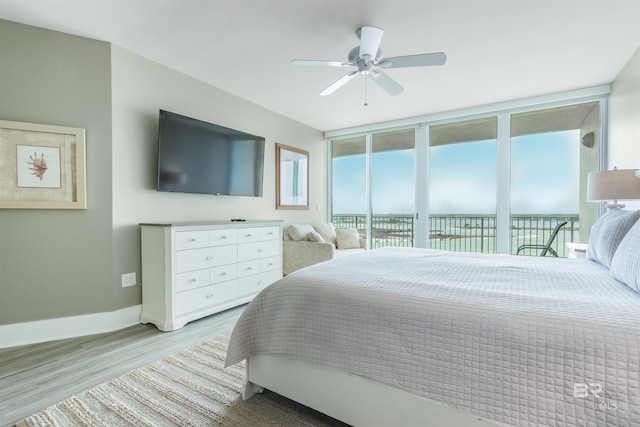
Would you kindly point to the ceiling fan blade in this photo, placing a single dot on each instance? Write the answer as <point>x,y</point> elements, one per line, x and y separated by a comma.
<point>370,39</point>
<point>385,82</point>
<point>425,59</point>
<point>339,83</point>
<point>315,62</point>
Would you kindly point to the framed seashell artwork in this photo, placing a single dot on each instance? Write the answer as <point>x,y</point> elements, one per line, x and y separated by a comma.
<point>42,166</point>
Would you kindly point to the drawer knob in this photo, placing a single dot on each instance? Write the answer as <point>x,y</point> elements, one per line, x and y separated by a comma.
<point>223,237</point>
<point>224,273</point>
<point>209,296</point>
<point>194,280</point>
<point>193,239</point>
<point>209,257</point>
<point>260,250</point>
<point>249,235</point>
<point>249,268</point>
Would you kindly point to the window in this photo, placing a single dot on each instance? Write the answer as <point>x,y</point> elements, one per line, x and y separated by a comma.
<point>392,188</point>
<point>549,168</point>
<point>380,203</point>
<point>349,184</point>
<point>486,184</point>
<point>462,185</point>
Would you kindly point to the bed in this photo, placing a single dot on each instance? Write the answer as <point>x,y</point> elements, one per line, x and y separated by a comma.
<point>423,337</point>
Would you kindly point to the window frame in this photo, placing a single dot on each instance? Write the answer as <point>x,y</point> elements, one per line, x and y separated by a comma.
<point>503,112</point>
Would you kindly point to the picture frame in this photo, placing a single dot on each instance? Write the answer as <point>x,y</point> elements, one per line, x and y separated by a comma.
<point>42,166</point>
<point>292,178</point>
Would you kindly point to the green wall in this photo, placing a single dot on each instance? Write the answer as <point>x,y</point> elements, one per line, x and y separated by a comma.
<point>56,263</point>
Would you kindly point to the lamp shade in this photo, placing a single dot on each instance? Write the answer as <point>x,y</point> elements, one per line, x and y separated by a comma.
<point>617,184</point>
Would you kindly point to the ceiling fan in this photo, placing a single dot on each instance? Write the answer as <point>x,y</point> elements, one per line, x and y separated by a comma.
<point>367,59</point>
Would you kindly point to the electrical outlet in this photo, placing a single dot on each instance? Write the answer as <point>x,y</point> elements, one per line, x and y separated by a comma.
<point>129,279</point>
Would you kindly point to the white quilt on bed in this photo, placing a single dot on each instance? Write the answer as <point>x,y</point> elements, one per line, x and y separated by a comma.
<point>525,341</point>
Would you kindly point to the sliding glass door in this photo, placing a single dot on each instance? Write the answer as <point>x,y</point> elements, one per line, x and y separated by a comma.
<point>373,186</point>
<point>552,152</point>
<point>462,186</point>
<point>349,200</point>
<point>392,188</point>
<point>489,184</point>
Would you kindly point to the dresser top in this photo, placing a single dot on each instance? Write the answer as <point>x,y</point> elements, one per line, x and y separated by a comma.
<point>223,223</point>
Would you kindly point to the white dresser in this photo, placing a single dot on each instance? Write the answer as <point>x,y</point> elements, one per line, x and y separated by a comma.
<point>192,270</point>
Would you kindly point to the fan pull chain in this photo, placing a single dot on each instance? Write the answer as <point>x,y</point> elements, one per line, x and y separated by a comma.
<point>365,91</point>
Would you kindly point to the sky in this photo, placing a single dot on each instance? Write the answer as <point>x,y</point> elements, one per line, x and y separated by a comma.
<point>544,178</point>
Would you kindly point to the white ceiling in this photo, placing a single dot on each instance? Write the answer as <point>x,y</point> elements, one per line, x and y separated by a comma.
<point>497,50</point>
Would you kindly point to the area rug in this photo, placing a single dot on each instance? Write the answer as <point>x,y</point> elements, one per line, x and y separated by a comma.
<point>190,388</point>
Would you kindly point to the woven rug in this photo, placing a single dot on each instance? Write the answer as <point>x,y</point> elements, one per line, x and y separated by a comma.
<point>190,388</point>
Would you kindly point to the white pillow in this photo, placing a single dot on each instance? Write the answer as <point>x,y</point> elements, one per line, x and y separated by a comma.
<point>608,232</point>
<point>315,237</point>
<point>625,265</point>
<point>347,238</point>
<point>299,231</point>
<point>327,231</point>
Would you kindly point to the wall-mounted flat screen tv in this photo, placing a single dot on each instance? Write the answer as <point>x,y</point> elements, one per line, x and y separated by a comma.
<point>199,157</point>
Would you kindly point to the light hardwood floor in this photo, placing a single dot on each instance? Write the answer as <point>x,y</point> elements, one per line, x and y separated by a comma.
<point>36,376</point>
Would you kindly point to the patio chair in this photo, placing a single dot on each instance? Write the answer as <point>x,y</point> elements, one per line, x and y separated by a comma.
<point>546,248</point>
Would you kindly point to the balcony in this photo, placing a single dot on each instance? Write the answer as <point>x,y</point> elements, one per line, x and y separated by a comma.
<point>465,233</point>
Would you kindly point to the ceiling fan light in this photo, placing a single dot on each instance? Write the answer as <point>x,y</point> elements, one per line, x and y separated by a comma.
<point>370,38</point>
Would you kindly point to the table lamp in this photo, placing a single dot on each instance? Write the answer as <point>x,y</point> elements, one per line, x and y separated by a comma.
<point>613,185</point>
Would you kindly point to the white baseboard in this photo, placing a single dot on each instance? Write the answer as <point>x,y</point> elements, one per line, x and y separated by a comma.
<point>68,327</point>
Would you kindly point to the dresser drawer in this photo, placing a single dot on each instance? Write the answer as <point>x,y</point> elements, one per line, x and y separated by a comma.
<point>253,284</point>
<point>248,235</point>
<point>265,249</point>
<point>192,279</point>
<point>223,273</point>
<point>270,233</point>
<point>273,263</point>
<point>191,239</point>
<point>205,297</point>
<point>196,259</point>
<point>248,268</point>
<point>223,237</point>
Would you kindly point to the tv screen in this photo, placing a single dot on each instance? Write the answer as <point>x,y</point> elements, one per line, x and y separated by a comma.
<point>200,157</point>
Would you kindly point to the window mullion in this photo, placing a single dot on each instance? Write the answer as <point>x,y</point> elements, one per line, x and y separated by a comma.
<point>503,205</point>
<point>421,218</point>
<point>369,177</point>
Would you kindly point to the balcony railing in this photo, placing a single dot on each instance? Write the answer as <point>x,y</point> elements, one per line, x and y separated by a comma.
<point>465,233</point>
